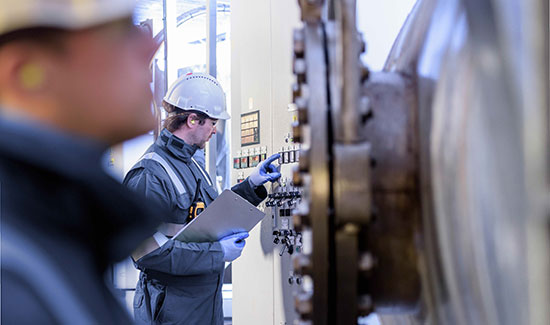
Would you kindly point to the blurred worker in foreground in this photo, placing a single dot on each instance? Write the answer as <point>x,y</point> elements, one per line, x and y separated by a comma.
<point>181,283</point>
<point>74,79</point>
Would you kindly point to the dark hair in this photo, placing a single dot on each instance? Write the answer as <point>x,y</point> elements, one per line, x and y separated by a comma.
<point>177,116</point>
<point>48,37</point>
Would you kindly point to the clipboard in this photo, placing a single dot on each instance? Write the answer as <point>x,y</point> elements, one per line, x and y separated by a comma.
<point>226,215</point>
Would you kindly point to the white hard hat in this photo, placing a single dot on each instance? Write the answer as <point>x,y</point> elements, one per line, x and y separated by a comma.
<point>198,92</point>
<point>65,14</point>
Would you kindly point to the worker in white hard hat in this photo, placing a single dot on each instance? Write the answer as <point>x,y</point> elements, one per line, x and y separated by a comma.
<point>180,283</point>
<point>74,80</point>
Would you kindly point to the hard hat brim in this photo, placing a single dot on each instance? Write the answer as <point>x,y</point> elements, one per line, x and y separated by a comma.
<point>63,14</point>
<point>223,116</point>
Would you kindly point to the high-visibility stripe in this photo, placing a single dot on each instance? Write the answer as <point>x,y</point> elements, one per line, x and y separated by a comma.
<point>173,177</point>
<point>202,171</point>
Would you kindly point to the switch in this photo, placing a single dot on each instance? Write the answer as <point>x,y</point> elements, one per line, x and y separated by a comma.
<point>291,155</point>
<point>254,160</point>
<point>285,156</point>
<point>244,162</point>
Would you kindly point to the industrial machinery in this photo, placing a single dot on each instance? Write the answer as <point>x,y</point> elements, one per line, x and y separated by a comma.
<point>426,185</point>
<point>423,189</point>
<point>420,192</point>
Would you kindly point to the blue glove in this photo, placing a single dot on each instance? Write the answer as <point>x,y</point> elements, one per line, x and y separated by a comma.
<point>233,245</point>
<point>265,172</point>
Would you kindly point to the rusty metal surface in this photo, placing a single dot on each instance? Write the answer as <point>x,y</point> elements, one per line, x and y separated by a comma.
<point>352,188</point>
<point>346,73</point>
<point>352,214</point>
<point>394,282</point>
<point>350,164</point>
<point>334,171</point>
<point>319,188</point>
<point>314,173</point>
<point>392,131</point>
<point>347,302</point>
<point>367,265</point>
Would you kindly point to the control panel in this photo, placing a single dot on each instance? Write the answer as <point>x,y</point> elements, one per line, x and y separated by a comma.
<point>282,201</point>
<point>283,196</point>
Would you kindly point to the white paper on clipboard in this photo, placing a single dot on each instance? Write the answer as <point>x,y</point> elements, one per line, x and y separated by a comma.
<point>226,215</point>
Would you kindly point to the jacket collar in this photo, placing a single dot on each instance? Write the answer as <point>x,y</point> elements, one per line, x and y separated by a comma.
<point>50,149</point>
<point>120,218</point>
<point>176,146</point>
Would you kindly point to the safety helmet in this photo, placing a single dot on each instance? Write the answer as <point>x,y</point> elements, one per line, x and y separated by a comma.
<point>65,14</point>
<point>198,92</point>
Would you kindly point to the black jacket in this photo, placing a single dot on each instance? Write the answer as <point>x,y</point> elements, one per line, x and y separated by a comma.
<point>64,220</point>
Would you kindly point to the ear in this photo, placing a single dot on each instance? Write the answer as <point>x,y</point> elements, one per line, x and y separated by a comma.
<point>31,76</point>
<point>23,70</point>
<point>192,120</point>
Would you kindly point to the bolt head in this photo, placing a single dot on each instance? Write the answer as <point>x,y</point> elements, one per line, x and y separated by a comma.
<point>303,304</point>
<point>366,262</point>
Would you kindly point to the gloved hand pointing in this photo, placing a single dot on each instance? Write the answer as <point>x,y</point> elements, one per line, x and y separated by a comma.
<point>265,172</point>
<point>233,245</point>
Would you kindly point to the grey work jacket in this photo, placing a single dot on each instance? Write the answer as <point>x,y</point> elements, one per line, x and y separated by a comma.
<point>180,283</point>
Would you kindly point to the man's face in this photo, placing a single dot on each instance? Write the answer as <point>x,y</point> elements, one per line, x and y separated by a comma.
<point>103,77</point>
<point>204,132</point>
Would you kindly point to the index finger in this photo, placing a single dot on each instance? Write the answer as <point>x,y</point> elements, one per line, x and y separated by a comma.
<point>272,158</point>
<point>241,235</point>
